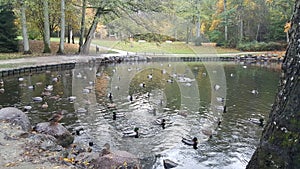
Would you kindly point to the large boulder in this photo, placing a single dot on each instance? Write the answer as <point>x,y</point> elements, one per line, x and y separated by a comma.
<point>63,136</point>
<point>16,117</point>
<point>117,159</point>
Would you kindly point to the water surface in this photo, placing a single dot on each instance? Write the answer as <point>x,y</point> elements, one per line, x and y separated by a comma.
<point>191,95</point>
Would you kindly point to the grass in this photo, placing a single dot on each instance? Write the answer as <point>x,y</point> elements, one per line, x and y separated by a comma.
<point>36,47</point>
<point>172,48</point>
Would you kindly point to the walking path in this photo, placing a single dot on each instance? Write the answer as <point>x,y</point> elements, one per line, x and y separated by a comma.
<point>60,59</point>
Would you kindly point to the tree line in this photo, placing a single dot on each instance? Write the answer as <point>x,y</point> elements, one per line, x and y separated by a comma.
<point>226,22</point>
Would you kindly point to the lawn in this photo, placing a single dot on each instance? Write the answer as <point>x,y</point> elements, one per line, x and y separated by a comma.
<point>171,48</point>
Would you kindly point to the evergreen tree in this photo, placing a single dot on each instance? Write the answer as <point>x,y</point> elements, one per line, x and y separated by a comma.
<point>8,30</point>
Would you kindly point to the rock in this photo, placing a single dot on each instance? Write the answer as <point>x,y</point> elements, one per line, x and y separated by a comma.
<point>63,136</point>
<point>116,159</point>
<point>46,142</point>
<point>15,117</point>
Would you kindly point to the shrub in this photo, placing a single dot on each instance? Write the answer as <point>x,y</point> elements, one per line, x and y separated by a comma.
<point>261,46</point>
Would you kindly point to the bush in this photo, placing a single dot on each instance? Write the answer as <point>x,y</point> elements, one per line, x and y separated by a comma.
<point>261,46</point>
<point>153,37</point>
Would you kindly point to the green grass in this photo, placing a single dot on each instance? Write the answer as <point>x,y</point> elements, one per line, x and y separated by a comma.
<point>171,48</point>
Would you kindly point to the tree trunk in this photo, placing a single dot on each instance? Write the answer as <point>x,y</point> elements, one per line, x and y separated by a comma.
<point>24,28</point>
<point>280,142</point>
<point>46,27</point>
<point>62,28</point>
<point>85,48</point>
<point>226,28</point>
<point>82,29</point>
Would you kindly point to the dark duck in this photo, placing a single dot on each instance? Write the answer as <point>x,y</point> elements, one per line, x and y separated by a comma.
<point>191,142</point>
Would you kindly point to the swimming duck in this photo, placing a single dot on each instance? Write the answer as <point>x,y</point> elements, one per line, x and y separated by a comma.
<point>132,133</point>
<point>207,132</point>
<point>169,164</point>
<point>27,108</point>
<point>31,87</point>
<point>191,142</point>
<point>72,98</point>
<point>1,82</point>
<point>130,98</point>
<point>115,115</point>
<point>49,88</point>
<point>110,96</point>
<point>259,122</point>
<point>45,105</point>
<point>2,90</point>
<point>37,99</point>
<point>56,118</point>
<point>255,92</point>
<point>217,87</point>
<point>163,122</point>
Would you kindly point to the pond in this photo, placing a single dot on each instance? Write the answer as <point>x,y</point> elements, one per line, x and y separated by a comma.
<point>190,96</point>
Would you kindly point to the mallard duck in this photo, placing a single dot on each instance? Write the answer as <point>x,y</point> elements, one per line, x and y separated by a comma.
<point>110,96</point>
<point>27,108</point>
<point>1,82</point>
<point>191,142</point>
<point>115,115</point>
<point>132,133</point>
<point>37,99</point>
<point>169,164</point>
<point>163,122</point>
<point>49,88</point>
<point>72,98</point>
<point>259,122</point>
<point>56,118</point>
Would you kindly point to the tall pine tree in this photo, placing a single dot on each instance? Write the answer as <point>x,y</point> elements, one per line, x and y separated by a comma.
<point>8,30</point>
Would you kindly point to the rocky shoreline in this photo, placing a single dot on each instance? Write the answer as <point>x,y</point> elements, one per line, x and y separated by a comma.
<point>27,148</point>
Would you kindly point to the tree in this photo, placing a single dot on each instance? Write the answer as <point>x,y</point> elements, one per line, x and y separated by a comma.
<point>46,36</point>
<point>8,29</point>
<point>62,28</point>
<point>82,28</point>
<point>24,27</point>
<point>280,141</point>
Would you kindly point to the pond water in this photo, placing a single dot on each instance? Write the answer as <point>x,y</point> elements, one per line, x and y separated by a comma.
<point>190,95</point>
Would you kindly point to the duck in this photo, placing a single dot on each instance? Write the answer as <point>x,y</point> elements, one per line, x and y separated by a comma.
<point>56,118</point>
<point>115,115</point>
<point>2,90</point>
<point>37,99</point>
<point>255,92</point>
<point>20,79</point>
<point>207,132</point>
<point>49,88</point>
<point>31,87</point>
<point>191,142</point>
<point>130,98</point>
<point>132,133</point>
<point>217,87</point>
<point>110,96</point>
<point>169,164</point>
<point>163,122</point>
<point>72,98</point>
<point>45,105</point>
<point>1,82</point>
<point>150,76</point>
<point>27,108</point>
<point>259,122</point>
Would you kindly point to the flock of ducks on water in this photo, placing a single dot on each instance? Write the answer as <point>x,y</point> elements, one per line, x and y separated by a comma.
<point>131,133</point>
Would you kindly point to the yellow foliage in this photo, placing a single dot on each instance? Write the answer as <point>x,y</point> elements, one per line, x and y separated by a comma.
<point>269,1</point>
<point>287,27</point>
<point>220,6</point>
<point>214,24</point>
<point>203,27</point>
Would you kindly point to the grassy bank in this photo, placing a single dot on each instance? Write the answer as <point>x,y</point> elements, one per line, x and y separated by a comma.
<point>153,47</point>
